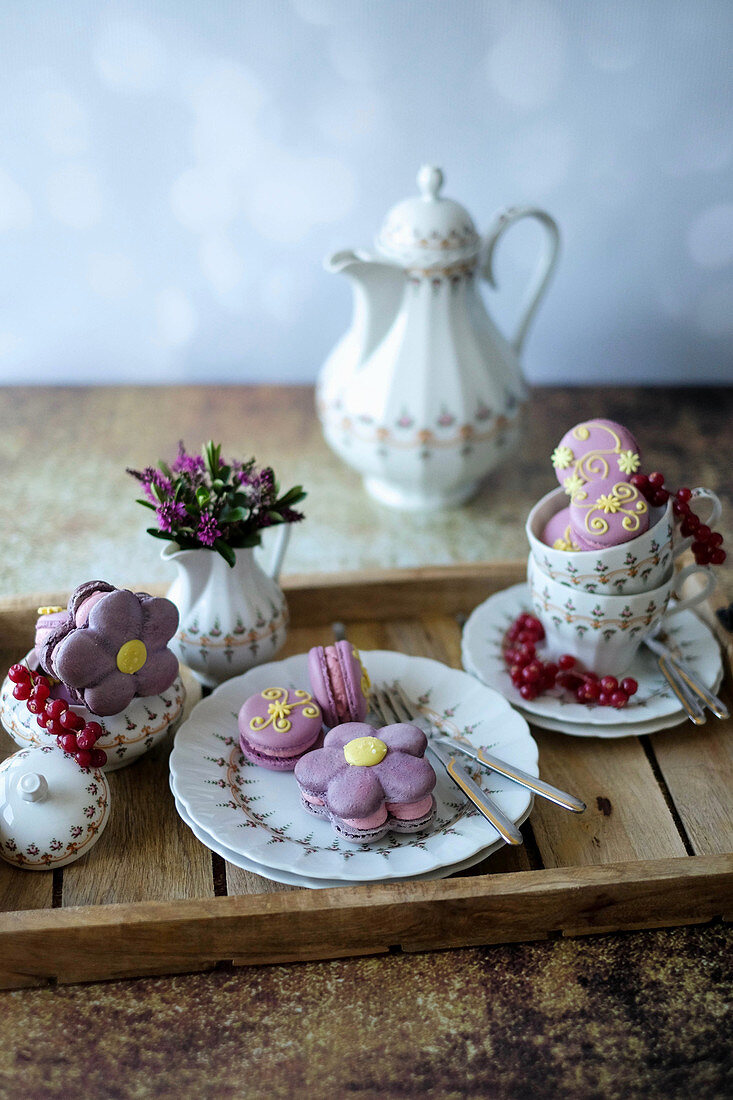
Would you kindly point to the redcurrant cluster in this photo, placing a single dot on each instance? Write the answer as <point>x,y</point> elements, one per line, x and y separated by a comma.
<point>532,676</point>
<point>72,733</point>
<point>707,547</point>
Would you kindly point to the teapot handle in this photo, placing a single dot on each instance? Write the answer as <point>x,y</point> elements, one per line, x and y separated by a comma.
<point>543,271</point>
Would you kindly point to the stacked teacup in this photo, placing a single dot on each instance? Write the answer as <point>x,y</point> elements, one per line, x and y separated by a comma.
<point>601,568</point>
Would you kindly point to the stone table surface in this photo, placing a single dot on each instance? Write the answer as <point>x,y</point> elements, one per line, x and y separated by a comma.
<point>641,1014</point>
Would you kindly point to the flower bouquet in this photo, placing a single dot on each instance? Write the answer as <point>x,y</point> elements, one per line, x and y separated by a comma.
<point>201,501</point>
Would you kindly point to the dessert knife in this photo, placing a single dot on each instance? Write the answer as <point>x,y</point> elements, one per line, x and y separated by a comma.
<point>545,790</point>
<point>716,705</point>
<point>486,805</point>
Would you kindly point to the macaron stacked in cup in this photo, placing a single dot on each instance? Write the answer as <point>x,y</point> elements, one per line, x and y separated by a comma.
<point>601,562</point>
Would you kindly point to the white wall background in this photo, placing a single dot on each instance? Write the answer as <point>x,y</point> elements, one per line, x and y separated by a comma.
<point>173,172</point>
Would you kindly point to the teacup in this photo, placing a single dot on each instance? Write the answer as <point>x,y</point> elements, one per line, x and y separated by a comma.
<point>639,565</point>
<point>603,631</point>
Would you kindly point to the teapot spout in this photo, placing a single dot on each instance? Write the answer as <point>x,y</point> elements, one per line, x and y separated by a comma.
<point>378,287</point>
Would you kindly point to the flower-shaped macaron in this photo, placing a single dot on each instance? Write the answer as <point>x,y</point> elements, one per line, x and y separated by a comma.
<point>113,646</point>
<point>369,781</point>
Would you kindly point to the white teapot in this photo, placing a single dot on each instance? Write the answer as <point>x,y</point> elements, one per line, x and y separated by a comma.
<point>422,395</point>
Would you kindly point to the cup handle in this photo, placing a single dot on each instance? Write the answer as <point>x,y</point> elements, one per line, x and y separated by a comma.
<point>717,508</point>
<point>279,551</point>
<point>698,597</point>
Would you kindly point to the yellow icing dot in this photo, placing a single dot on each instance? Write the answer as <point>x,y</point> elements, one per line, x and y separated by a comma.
<point>49,610</point>
<point>365,751</point>
<point>132,656</point>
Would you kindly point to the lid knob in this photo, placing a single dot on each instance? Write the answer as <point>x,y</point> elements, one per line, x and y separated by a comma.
<point>430,181</point>
<point>33,787</point>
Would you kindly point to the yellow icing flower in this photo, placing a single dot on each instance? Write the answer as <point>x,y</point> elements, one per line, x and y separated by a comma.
<point>628,462</point>
<point>572,484</point>
<point>609,503</point>
<point>562,457</point>
<point>279,711</point>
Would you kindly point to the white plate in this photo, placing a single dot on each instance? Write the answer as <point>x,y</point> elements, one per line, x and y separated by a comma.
<point>288,878</point>
<point>654,706</point>
<point>258,813</point>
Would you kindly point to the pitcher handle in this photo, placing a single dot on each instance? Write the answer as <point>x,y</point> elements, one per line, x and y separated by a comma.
<point>543,271</point>
<point>279,551</point>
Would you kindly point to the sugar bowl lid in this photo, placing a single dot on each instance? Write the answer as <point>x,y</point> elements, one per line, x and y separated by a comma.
<point>428,230</point>
<point>51,810</point>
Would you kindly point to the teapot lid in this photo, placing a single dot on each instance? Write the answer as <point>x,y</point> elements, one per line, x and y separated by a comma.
<point>51,810</point>
<point>428,230</point>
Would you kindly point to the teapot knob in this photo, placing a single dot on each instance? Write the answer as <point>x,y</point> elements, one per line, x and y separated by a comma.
<point>33,787</point>
<point>430,181</point>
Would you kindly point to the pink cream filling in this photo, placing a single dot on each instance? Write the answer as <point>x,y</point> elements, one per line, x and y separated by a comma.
<point>337,684</point>
<point>377,818</point>
<point>411,811</point>
<point>285,752</point>
<point>312,798</point>
<point>84,608</point>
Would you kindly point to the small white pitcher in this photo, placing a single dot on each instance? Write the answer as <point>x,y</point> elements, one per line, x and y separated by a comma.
<point>231,617</point>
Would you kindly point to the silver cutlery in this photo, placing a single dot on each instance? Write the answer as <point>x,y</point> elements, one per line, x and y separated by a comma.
<point>387,712</point>
<point>690,687</point>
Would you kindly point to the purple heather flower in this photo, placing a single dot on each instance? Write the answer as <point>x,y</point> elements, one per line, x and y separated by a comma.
<point>208,530</point>
<point>192,465</point>
<point>170,513</point>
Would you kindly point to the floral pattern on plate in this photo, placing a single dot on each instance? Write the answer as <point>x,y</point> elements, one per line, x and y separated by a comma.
<point>483,636</point>
<point>258,813</point>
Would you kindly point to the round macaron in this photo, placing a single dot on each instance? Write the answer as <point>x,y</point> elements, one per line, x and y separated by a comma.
<point>277,726</point>
<point>607,513</point>
<point>557,533</point>
<point>340,683</point>
<point>593,450</point>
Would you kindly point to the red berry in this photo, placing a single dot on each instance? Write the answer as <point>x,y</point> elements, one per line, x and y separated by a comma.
<point>604,699</point>
<point>42,719</point>
<point>93,729</point>
<point>566,661</point>
<point>703,533</point>
<point>19,674</point>
<point>656,479</point>
<point>38,680</point>
<point>684,494</point>
<point>703,554</point>
<point>690,524</point>
<point>85,740</point>
<point>83,758</point>
<point>532,673</point>
<point>717,556</point>
<point>525,653</point>
<point>54,727</point>
<point>659,497</point>
<point>641,481</point>
<point>580,694</point>
<point>56,707</point>
<point>681,508</point>
<point>99,758</point>
<point>528,692</point>
<point>619,699</point>
<point>70,720</point>
<point>68,742</point>
<point>36,706</point>
<point>592,690</point>
<point>609,684</point>
<point>716,539</point>
<point>551,670</point>
<point>569,680</point>
<point>629,685</point>
<point>22,689</point>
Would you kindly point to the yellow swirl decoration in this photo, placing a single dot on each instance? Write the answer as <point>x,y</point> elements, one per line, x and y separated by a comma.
<point>623,498</point>
<point>594,465</point>
<point>365,683</point>
<point>281,707</point>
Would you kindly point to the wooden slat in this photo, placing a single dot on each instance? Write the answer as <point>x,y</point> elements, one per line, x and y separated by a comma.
<point>696,764</point>
<point>82,944</point>
<point>627,816</point>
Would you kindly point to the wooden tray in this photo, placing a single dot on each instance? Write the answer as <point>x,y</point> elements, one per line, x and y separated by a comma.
<point>653,848</point>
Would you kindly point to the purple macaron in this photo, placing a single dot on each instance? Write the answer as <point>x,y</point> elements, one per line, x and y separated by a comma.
<point>607,513</point>
<point>595,449</point>
<point>368,782</point>
<point>340,683</point>
<point>277,726</point>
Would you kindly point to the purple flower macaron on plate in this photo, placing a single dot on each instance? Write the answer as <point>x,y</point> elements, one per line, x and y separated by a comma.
<point>257,813</point>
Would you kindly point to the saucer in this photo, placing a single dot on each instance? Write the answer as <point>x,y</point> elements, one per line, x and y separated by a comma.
<point>288,878</point>
<point>258,813</point>
<point>653,707</point>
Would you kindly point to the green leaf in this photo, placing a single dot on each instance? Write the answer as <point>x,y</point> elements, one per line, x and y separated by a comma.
<point>159,534</point>
<point>217,484</point>
<point>145,503</point>
<point>166,470</point>
<point>157,491</point>
<point>225,550</point>
<point>232,515</point>
<point>203,496</point>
